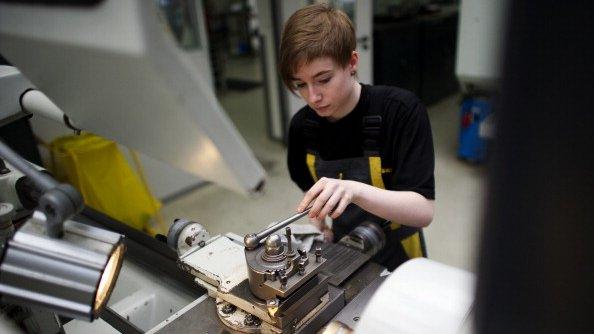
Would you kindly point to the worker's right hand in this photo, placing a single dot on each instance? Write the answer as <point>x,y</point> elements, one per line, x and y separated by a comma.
<point>328,197</point>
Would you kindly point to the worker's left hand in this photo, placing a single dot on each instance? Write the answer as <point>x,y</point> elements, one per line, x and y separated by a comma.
<point>328,197</point>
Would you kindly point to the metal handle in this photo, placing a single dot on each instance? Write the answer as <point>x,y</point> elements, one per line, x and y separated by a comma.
<point>252,240</point>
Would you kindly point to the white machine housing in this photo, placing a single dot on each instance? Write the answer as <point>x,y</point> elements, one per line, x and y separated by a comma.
<point>481,35</point>
<point>116,70</point>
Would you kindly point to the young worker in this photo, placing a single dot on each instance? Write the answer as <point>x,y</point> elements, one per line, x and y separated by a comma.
<point>361,152</point>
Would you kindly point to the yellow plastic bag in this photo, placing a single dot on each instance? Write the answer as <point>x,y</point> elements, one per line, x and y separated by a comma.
<point>97,168</point>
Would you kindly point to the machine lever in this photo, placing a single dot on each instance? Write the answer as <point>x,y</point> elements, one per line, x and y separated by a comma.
<point>252,240</point>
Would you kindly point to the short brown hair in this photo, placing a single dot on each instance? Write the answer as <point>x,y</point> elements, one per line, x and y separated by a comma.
<point>312,32</point>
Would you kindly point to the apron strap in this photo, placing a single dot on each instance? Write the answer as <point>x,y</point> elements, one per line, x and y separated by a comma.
<point>310,132</point>
<point>411,239</point>
<point>414,246</point>
<point>375,171</point>
<point>310,160</point>
<point>372,125</point>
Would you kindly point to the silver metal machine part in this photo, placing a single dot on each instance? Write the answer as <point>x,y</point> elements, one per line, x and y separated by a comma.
<point>279,277</point>
<point>368,237</point>
<point>351,313</point>
<point>184,234</point>
<point>274,250</point>
<point>60,274</point>
<point>273,273</point>
<point>337,327</point>
<point>297,292</point>
<point>252,240</point>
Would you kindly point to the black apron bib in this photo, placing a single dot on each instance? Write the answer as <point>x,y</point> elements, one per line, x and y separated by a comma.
<point>402,242</point>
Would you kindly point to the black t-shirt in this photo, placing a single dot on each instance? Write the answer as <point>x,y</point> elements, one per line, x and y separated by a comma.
<point>406,143</point>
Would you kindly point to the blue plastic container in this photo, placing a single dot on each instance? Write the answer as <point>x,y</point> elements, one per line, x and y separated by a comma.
<point>472,141</point>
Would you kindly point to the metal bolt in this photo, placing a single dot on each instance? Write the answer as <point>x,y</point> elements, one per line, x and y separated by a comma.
<point>301,267</point>
<point>302,252</point>
<point>251,320</point>
<point>318,254</point>
<point>282,276</point>
<point>283,281</point>
<point>289,243</point>
<point>271,275</point>
<point>228,308</point>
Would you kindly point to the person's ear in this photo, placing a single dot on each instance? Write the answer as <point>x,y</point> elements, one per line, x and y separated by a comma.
<point>354,62</point>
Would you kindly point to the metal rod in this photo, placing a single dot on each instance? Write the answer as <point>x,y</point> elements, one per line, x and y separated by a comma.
<point>252,240</point>
<point>42,181</point>
<point>289,242</point>
<point>266,232</point>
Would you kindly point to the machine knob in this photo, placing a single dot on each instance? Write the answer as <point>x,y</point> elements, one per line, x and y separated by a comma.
<point>274,245</point>
<point>301,266</point>
<point>302,252</point>
<point>283,280</point>
<point>251,241</point>
<point>318,254</point>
